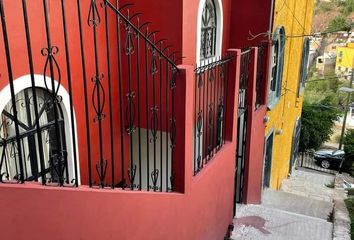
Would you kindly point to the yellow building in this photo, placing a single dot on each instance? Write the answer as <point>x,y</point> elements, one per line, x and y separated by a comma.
<point>289,64</point>
<point>345,61</point>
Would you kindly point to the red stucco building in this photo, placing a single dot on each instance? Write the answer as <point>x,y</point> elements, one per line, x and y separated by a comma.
<point>130,120</point>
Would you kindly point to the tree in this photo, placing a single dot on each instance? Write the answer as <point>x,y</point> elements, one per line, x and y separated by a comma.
<point>348,7</point>
<point>317,123</point>
<point>349,142</point>
<point>319,89</point>
<point>339,23</point>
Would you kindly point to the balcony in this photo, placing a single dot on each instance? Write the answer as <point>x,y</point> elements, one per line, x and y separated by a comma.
<point>94,98</point>
<point>89,98</point>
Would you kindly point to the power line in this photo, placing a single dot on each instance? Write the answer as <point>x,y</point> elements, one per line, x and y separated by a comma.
<point>252,36</point>
<point>330,78</point>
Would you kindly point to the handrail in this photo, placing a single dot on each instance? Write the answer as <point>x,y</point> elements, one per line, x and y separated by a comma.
<point>245,51</point>
<point>153,45</point>
<point>213,64</point>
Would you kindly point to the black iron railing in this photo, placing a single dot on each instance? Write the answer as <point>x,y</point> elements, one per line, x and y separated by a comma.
<point>244,80</point>
<point>118,116</point>
<point>261,74</point>
<point>211,81</point>
<point>308,161</point>
<point>242,122</point>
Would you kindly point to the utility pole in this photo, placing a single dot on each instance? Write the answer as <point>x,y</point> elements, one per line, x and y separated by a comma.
<point>347,109</point>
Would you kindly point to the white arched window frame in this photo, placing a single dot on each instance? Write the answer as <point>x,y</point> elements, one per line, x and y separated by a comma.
<point>23,83</point>
<point>276,66</point>
<point>219,31</point>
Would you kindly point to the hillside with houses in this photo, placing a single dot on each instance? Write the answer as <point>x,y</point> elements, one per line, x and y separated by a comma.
<point>332,60</point>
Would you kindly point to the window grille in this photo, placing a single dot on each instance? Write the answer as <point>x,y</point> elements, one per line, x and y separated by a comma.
<point>208,31</point>
<point>277,65</point>
<point>50,144</point>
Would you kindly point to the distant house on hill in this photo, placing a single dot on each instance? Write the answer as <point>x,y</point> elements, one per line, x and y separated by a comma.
<point>315,43</point>
<point>345,61</point>
<point>326,63</point>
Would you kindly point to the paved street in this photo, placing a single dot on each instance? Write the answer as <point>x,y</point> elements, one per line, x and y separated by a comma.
<point>300,211</point>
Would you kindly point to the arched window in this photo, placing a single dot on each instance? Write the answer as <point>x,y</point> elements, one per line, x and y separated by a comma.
<point>50,146</point>
<point>304,64</point>
<point>209,32</point>
<point>277,66</point>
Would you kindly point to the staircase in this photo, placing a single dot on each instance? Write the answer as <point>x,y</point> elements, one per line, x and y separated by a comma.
<point>297,204</point>
<point>302,209</point>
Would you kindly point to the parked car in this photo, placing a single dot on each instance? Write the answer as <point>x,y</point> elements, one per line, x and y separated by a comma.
<point>329,158</point>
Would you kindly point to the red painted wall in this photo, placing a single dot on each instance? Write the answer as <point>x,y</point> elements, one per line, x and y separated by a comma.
<point>252,19</point>
<point>203,212</point>
<point>189,36</point>
<point>165,16</point>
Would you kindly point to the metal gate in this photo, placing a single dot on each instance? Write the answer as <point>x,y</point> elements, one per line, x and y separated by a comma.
<point>242,127</point>
<point>307,160</point>
<point>268,160</point>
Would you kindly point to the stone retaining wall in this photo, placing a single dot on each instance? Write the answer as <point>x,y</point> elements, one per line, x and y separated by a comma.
<point>341,221</point>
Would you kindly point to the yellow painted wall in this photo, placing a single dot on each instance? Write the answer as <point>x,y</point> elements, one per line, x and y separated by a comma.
<point>296,16</point>
<point>347,59</point>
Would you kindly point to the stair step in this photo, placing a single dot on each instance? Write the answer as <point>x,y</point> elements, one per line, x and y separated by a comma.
<point>297,204</point>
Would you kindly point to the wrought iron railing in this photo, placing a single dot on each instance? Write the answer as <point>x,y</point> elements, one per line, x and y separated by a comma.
<point>118,116</point>
<point>245,62</point>
<point>307,160</point>
<point>261,74</point>
<point>211,81</point>
<point>242,122</point>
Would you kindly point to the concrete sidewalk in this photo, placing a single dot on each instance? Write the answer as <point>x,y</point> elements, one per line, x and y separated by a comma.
<point>258,222</point>
<point>299,211</point>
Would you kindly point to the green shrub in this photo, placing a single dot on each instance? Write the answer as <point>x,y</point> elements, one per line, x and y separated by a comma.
<point>350,205</point>
<point>350,191</point>
<point>348,7</point>
<point>325,6</point>
<point>349,143</point>
<point>317,124</point>
<point>339,23</point>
